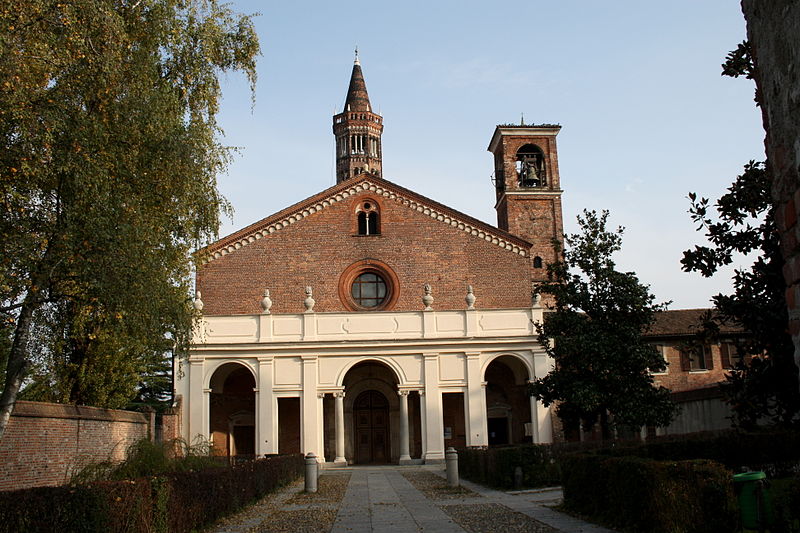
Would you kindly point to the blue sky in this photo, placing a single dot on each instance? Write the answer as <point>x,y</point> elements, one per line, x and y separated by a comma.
<point>645,115</point>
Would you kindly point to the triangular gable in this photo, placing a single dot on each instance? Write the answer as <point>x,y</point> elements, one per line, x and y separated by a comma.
<point>375,185</point>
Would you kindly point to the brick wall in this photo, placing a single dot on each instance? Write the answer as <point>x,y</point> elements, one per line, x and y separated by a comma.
<point>45,442</point>
<point>678,380</point>
<point>317,250</point>
<point>772,29</point>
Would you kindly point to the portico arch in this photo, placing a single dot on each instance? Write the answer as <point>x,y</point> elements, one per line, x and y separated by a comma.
<point>389,363</point>
<point>373,411</point>
<point>508,404</point>
<point>232,410</point>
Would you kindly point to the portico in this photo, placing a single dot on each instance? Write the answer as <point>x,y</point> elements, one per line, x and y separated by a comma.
<point>372,387</point>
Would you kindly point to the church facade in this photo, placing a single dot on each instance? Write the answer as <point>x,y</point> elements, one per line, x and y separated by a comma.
<point>370,324</point>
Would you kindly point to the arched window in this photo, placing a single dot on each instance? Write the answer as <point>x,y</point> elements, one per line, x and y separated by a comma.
<point>368,218</point>
<point>537,262</point>
<point>530,164</point>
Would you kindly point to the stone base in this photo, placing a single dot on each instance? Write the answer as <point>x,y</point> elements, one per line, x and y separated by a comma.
<point>409,461</point>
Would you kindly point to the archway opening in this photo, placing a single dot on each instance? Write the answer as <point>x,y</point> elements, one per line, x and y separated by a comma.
<point>232,411</point>
<point>508,407</point>
<point>372,415</point>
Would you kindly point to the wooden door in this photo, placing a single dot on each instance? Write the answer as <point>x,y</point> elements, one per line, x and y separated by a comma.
<point>371,415</point>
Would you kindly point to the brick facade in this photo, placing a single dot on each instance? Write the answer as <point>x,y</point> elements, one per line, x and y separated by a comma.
<point>420,240</point>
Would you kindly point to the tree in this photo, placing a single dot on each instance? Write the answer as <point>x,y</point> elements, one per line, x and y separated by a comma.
<point>767,387</point>
<point>108,164</point>
<point>603,366</point>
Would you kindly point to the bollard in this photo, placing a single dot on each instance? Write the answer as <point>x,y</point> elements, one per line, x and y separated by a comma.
<point>518,478</point>
<point>451,460</point>
<point>312,472</point>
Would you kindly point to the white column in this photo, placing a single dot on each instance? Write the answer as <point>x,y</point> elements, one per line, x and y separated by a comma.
<point>535,419</point>
<point>198,401</point>
<point>321,427</point>
<point>266,409</point>
<point>339,401</point>
<point>309,407</point>
<point>405,456</point>
<point>423,423</point>
<point>205,428</point>
<point>542,365</point>
<point>434,432</point>
<point>477,432</point>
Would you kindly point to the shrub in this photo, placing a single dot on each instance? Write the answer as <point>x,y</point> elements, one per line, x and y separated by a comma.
<point>646,495</point>
<point>145,459</point>
<point>179,502</point>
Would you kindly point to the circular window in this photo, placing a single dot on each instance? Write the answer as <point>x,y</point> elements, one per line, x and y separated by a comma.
<point>368,285</point>
<point>368,290</point>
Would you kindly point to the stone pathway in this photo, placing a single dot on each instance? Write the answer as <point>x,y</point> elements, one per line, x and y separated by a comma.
<point>381,499</point>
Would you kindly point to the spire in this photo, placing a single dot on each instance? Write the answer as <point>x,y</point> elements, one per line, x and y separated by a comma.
<point>357,97</point>
<point>358,132</point>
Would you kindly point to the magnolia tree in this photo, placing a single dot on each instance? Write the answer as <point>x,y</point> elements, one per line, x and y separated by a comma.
<point>603,365</point>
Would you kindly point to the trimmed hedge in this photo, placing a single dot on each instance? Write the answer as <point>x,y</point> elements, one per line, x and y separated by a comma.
<point>646,495</point>
<point>776,452</point>
<point>495,466</point>
<point>174,503</point>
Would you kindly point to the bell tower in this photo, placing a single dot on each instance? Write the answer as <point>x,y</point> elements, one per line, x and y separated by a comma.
<point>358,132</point>
<point>528,188</point>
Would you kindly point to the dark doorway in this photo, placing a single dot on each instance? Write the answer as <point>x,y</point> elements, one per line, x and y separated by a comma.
<point>455,433</point>
<point>288,425</point>
<point>244,438</point>
<point>498,431</point>
<point>371,414</point>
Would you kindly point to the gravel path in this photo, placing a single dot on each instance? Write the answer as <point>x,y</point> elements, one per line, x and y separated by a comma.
<point>435,487</point>
<point>290,510</point>
<point>400,500</point>
<point>494,518</point>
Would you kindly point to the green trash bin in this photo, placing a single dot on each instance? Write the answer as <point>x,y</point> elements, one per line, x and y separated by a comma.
<point>754,502</point>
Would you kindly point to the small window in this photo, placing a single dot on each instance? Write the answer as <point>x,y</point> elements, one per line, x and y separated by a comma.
<point>731,356</point>
<point>662,351</point>
<point>696,358</point>
<point>537,262</point>
<point>368,218</point>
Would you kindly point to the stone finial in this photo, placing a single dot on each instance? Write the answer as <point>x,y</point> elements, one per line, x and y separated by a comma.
<point>470,298</point>
<point>266,302</point>
<point>537,300</point>
<point>198,302</point>
<point>309,301</point>
<point>427,299</point>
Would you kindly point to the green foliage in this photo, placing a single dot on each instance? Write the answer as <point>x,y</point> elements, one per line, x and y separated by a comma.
<point>594,334</point>
<point>785,494</point>
<point>646,495</point>
<point>767,388</point>
<point>739,62</point>
<point>109,152</point>
<point>145,458</point>
<point>179,502</point>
